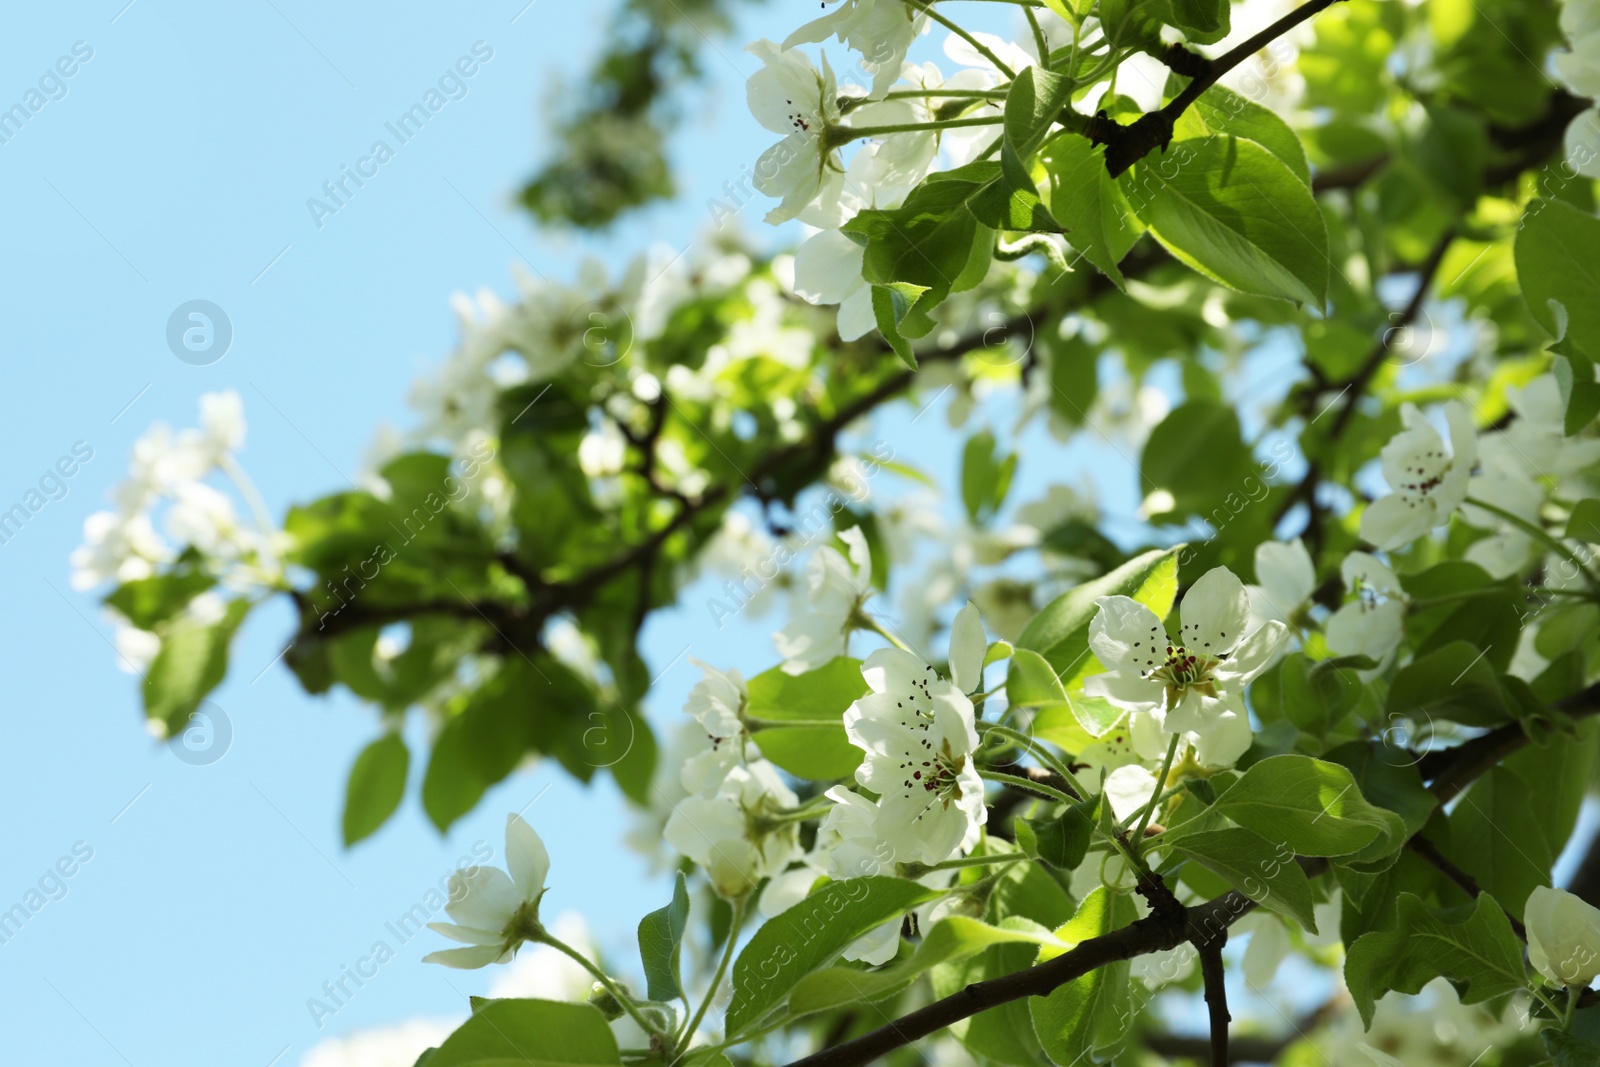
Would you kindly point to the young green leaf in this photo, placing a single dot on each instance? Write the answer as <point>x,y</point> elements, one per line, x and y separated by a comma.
<point>377,783</point>
<point>810,935</point>
<point>1313,807</point>
<point>1237,214</point>
<point>535,1033</point>
<point>661,941</point>
<point>1473,946</point>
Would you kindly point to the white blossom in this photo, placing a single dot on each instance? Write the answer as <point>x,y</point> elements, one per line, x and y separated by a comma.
<point>1192,686</point>
<point>919,735</point>
<point>1427,481</point>
<point>835,590</point>
<point>726,835</point>
<point>1371,623</point>
<point>1563,937</point>
<point>494,912</point>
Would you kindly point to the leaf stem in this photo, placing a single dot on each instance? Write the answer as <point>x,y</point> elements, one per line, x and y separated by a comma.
<point>1026,784</point>
<point>926,7</point>
<point>611,987</point>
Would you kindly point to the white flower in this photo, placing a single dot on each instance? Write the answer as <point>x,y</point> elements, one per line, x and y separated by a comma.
<point>1427,482</point>
<point>835,590</point>
<point>918,732</point>
<point>1371,624</point>
<point>881,30</point>
<point>827,270</point>
<point>790,96</point>
<point>1579,69</point>
<point>725,833</point>
<point>1563,937</point>
<point>1286,580</point>
<point>495,912</point>
<point>1193,687</point>
<point>116,547</point>
<point>717,701</point>
<point>222,422</point>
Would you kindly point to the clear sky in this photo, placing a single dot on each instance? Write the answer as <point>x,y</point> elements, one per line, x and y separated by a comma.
<point>175,164</point>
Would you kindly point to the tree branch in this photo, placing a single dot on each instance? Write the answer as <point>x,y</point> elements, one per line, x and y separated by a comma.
<point>1468,884</point>
<point>1126,145</point>
<point>1214,982</point>
<point>1202,926</point>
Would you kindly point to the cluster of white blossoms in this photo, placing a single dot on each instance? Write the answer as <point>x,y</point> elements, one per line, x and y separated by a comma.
<point>167,505</point>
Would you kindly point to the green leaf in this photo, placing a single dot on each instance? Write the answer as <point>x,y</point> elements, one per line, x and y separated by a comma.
<point>1388,777</point>
<point>1584,522</point>
<point>1557,254</point>
<point>535,1033</point>
<point>1456,683</point>
<point>931,241</point>
<point>1220,110</point>
<point>1198,457</point>
<point>377,782</point>
<point>956,937</point>
<point>810,935</point>
<point>148,602</point>
<point>1313,807</point>
<point>1060,632</point>
<point>1088,202</point>
<point>1062,841</point>
<point>661,941</point>
<point>192,662</point>
<point>1497,835</point>
<point>815,746</point>
<point>1031,682</point>
<point>1262,871</point>
<point>1089,1014</point>
<point>1472,946</point>
<point>1237,214</point>
<point>1569,1050</point>
<point>890,305</point>
<point>1033,103</point>
<point>1003,1034</point>
<point>985,476</point>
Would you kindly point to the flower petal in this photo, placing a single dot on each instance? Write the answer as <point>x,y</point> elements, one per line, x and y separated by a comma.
<point>1125,635</point>
<point>1254,654</point>
<point>469,958</point>
<point>525,857</point>
<point>1215,611</point>
<point>483,898</point>
<point>1129,789</point>
<point>967,648</point>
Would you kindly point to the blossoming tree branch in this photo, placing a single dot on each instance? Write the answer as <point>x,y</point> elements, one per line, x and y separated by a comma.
<point>1320,283</point>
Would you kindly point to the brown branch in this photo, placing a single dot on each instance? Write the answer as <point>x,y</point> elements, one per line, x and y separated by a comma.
<point>1163,929</point>
<point>1468,884</point>
<point>1126,145</point>
<point>1352,388</point>
<point>1450,770</point>
<point>1214,982</point>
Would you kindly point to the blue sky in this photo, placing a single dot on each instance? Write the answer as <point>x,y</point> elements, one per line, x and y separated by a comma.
<point>175,164</point>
